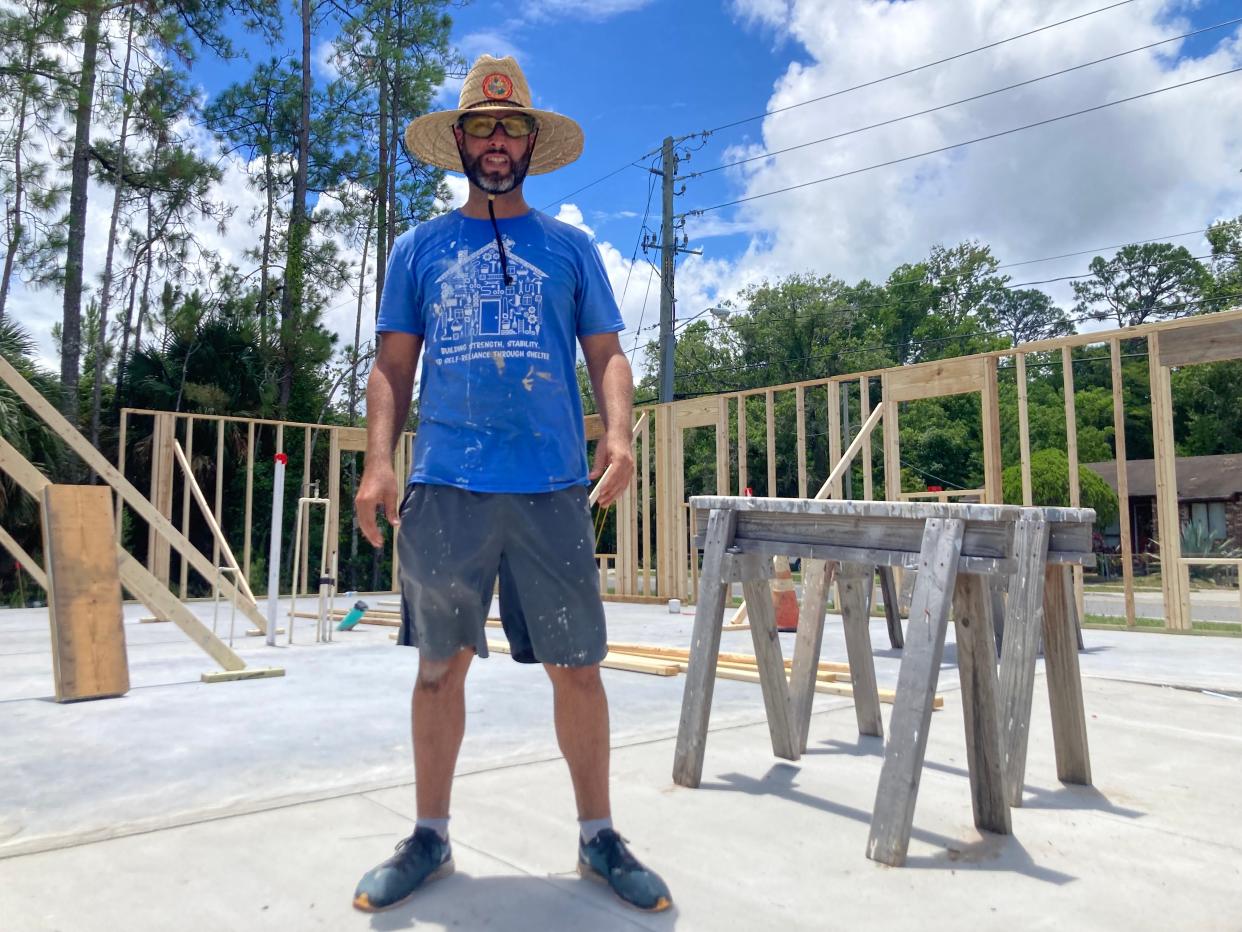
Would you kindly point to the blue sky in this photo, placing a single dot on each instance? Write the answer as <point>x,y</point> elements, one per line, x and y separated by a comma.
<point>634,71</point>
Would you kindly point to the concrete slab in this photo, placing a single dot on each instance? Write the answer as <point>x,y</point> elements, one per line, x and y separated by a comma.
<point>208,802</point>
<point>763,843</point>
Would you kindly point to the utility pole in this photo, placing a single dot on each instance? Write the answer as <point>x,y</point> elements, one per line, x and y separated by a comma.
<point>669,247</point>
<point>668,255</point>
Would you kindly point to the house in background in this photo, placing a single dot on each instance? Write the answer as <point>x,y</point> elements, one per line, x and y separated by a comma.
<point>1209,493</point>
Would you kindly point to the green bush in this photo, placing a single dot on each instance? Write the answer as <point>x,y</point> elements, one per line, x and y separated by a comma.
<point>1050,486</point>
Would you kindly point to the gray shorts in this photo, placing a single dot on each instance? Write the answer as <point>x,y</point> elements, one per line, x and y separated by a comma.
<point>453,543</point>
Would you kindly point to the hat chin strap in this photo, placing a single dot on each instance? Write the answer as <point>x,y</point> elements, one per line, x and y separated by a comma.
<point>500,243</point>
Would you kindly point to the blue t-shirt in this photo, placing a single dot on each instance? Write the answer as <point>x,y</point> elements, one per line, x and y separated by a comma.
<point>499,409</point>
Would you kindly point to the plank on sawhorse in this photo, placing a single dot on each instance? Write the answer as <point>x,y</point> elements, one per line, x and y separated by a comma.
<point>84,593</point>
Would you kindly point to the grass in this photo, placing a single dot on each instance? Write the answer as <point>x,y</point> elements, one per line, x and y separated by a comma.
<point>1225,628</point>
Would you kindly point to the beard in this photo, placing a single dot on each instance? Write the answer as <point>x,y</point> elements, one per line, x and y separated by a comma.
<point>491,182</point>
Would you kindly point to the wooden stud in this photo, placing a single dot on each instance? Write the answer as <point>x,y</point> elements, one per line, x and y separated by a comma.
<point>992,464</point>
<point>696,704</point>
<point>645,461</point>
<point>769,414</point>
<point>215,550</point>
<point>1176,601</point>
<point>248,511</point>
<point>892,445</point>
<point>158,550</point>
<point>222,545</point>
<point>1024,432</point>
<point>332,525</point>
<point>722,446</point>
<point>743,476</point>
<point>119,504</point>
<point>976,662</point>
<point>864,412</point>
<point>800,404</point>
<point>834,439</point>
<point>302,572</point>
<point>1071,440</point>
<point>893,813</point>
<point>771,665</point>
<point>185,505</point>
<point>854,584</point>
<point>1123,478</point>
<point>83,593</point>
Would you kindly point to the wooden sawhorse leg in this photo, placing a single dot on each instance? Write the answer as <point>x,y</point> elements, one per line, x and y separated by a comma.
<point>1023,627</point>
<point>892,610</point>
<point>934,590</point>
<point>817,577</point>
<point>696,704</point>
<point>1069,719</point>
<point>756,571</point>
<point>855,584</point>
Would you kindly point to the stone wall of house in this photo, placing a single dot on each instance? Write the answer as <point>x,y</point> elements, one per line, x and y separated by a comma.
<point>1233,519</point>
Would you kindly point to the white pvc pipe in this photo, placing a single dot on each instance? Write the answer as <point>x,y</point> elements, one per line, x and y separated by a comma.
<point>273,554</point>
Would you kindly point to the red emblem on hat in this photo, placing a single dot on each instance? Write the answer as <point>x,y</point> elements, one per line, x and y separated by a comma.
<point>497,86</point>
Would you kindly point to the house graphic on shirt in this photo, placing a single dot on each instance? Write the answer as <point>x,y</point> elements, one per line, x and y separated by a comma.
<point>474,301</point>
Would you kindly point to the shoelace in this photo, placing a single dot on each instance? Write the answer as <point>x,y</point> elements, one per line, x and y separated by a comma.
<point>500,243</point>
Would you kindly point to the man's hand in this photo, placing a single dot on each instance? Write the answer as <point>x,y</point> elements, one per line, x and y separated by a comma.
<point>378,490</point>
<point>614,460</point>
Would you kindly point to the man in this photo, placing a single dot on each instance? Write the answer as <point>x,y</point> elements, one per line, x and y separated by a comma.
<point>494,295</point>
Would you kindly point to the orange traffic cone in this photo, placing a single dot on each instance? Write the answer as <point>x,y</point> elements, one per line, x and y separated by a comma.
<point>784,599</point>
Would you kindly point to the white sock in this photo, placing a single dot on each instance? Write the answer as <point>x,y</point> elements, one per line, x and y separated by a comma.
<point>440,826</point>
<point>589,828</point>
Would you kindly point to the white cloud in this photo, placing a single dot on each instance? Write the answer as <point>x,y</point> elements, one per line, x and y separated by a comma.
<point>595,10</point>
<point>1160,165</point>
<point>324,61</point>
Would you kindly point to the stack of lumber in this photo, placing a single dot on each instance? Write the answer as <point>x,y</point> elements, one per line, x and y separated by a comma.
<point>831,677</point>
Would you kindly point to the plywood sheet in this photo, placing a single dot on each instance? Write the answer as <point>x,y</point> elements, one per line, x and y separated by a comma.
<point>84,593</point>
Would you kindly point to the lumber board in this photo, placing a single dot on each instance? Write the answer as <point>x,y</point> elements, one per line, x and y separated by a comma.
<point>250,673</point>
<point>1123,477</point>
<point>1211,342</point>
<point>83,593</point>
<point>221,545</point>
<point>612,661</point>
<point>936,379</point>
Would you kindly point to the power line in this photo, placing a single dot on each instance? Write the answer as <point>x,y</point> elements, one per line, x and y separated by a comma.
<point>591,184</point>
<point>919,344</point>
<point>957,103</point>
<point>915,281</point>
<point>642,314</point>
<point>957,145</point>
<point>914,70</point>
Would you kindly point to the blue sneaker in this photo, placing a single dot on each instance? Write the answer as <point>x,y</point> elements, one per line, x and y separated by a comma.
<point>606,859</point>
<point>421,858</point>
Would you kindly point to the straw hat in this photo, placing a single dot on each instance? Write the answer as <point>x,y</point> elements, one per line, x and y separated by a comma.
<point>494,84</point>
